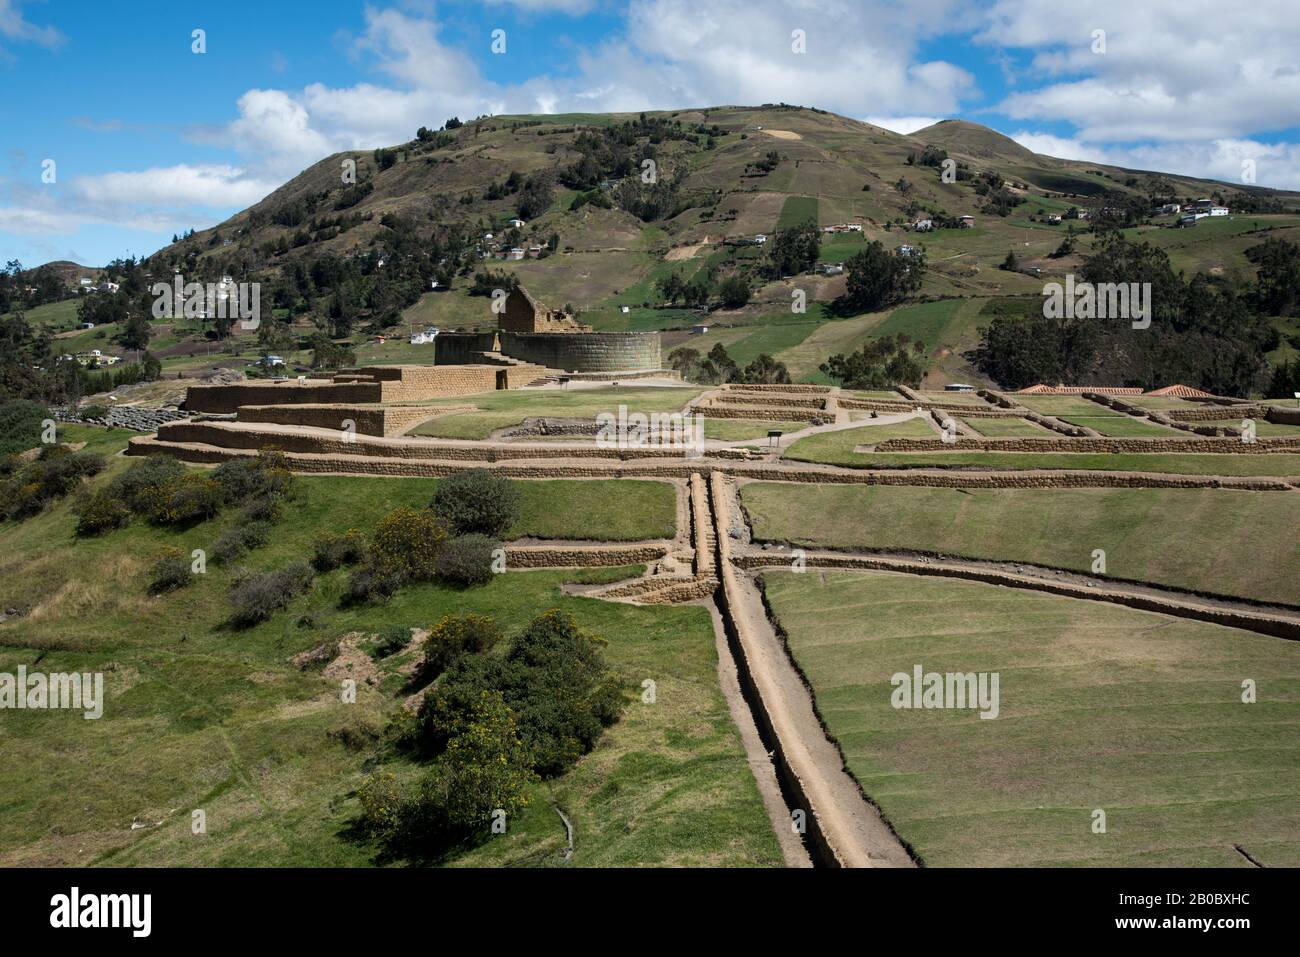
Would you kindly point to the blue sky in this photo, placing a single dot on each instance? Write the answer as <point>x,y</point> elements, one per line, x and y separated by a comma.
<point>149,138</point>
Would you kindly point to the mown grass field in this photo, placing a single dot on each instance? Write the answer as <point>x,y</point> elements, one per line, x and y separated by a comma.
<point>1212,540</point>
<point>497,410</point>
<point>1007,428</point>
<point>202,716</point>
<point>836,448</point>
<point>1100,707</point>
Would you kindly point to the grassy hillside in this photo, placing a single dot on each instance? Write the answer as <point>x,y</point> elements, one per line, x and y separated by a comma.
<point>202,716</point>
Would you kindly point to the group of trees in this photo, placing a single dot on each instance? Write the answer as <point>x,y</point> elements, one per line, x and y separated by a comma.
<point>877,278</point>
<point>733,291</point>
<point>880,364</point>
<point>717,367</point>
<point>1201,333</point>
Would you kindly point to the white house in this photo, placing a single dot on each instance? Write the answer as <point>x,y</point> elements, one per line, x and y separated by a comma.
<point>515,253</point>
<point>923,225</point>
<point>958,387</point>
<point>966,221</point>
<point>1219,210</point>
<point>699,330</point>
<point>425,337</point>
<point>1171,208</point>
<point>516,223</point>
<point>905,250</point>
<point>830,269</point>
<point>1054,219</point>
<point>760,239</point>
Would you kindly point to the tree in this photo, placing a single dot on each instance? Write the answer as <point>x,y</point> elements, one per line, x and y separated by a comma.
<point>136,332</point>
<point>877,278</point>
<point>734,292</point>
<point>794,250</point>
<point>1278,282</point>
<point>880,364</point>
<point>477,501</point>
<point>672,287</point>
<point>1011,263</point>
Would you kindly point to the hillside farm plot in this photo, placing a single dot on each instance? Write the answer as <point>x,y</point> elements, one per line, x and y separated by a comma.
<point>200,715</point>
<point>497,410</point>
<point>1099,707</point>
<point>798,210</point>
<point>1219,541</point>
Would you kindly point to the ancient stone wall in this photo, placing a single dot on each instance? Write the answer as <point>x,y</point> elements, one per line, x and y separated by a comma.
<point>224,399</point>
<point>1172,446</point>
<point>461,348</point>
<point>367,420</point>
<point>585,352</point>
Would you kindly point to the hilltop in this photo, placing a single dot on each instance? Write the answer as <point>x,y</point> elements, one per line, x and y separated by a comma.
<point>600,240</point>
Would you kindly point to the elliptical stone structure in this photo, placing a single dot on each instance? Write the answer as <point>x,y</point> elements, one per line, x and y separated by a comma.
<point>531,332</point>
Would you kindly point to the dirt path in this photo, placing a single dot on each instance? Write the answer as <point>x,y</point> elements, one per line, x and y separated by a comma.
<point>841,824</point>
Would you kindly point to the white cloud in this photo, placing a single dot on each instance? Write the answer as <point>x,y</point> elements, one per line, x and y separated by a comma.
<point>212,187</point>
<point>1174,70</point>
<point>14,26</point>
<point>572,7</point>
<point>1272,164</point>
<point>902,124</point>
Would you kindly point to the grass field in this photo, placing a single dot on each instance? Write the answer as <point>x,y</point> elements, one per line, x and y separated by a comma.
<point>797,211</point>
<point>1007,428</point>
<point>1125,426</point>
<point>836,448</point>
<point>1100,707</point>
<point>202,716</point>
<point>733,430</point>
<point>497,410</point>
<point>1212,540</point>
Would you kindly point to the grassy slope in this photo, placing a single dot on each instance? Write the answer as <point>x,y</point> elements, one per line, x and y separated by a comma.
<point>836,448</point>
<point>1100,707</point>
<point>1211,540</point>
<point>201,716</point>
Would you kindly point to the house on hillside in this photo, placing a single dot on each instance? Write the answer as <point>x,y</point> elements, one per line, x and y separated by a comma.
<point>843,228</point>
<point>923,225</point>
<point>760,239</point>
<point>1168,208</point>
<point>516,223</point>
<point>1188,220</point>
<point>1054,219</point>
<point>699,330</point>
<point>1182,392</point>
<point>107,286</point>
<point>906,250</point>
<point>1219,210</point>
<point>958,387</point>
<point>515,252</point>
<point>966,221</point>
<point>830,269</point>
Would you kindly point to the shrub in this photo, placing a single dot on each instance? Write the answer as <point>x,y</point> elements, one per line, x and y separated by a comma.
<point>407,542</point>
<point>140,485</point>
<point>55,473</point>
<point>466,560</point>
<point>390,640</point>
<point>258,597</point>
<point>100,512</point>
<point>332,551</point>
<point>240,540</point>
<point>553,678</point>
<point>171,571</point>
<point>372,582</point>
<point>454,636</point>
<point>261,478</point>
<point>265,510</point>
<point>20,425</point>
<point>477,501</point>
<point>186,500</point>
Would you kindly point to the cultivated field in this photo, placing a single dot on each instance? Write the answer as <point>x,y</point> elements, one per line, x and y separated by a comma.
<point>1100,708</point>
<point>1226,542</point>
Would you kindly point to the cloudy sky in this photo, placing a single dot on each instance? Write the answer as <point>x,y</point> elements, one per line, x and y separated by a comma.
<point>117,134</point>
